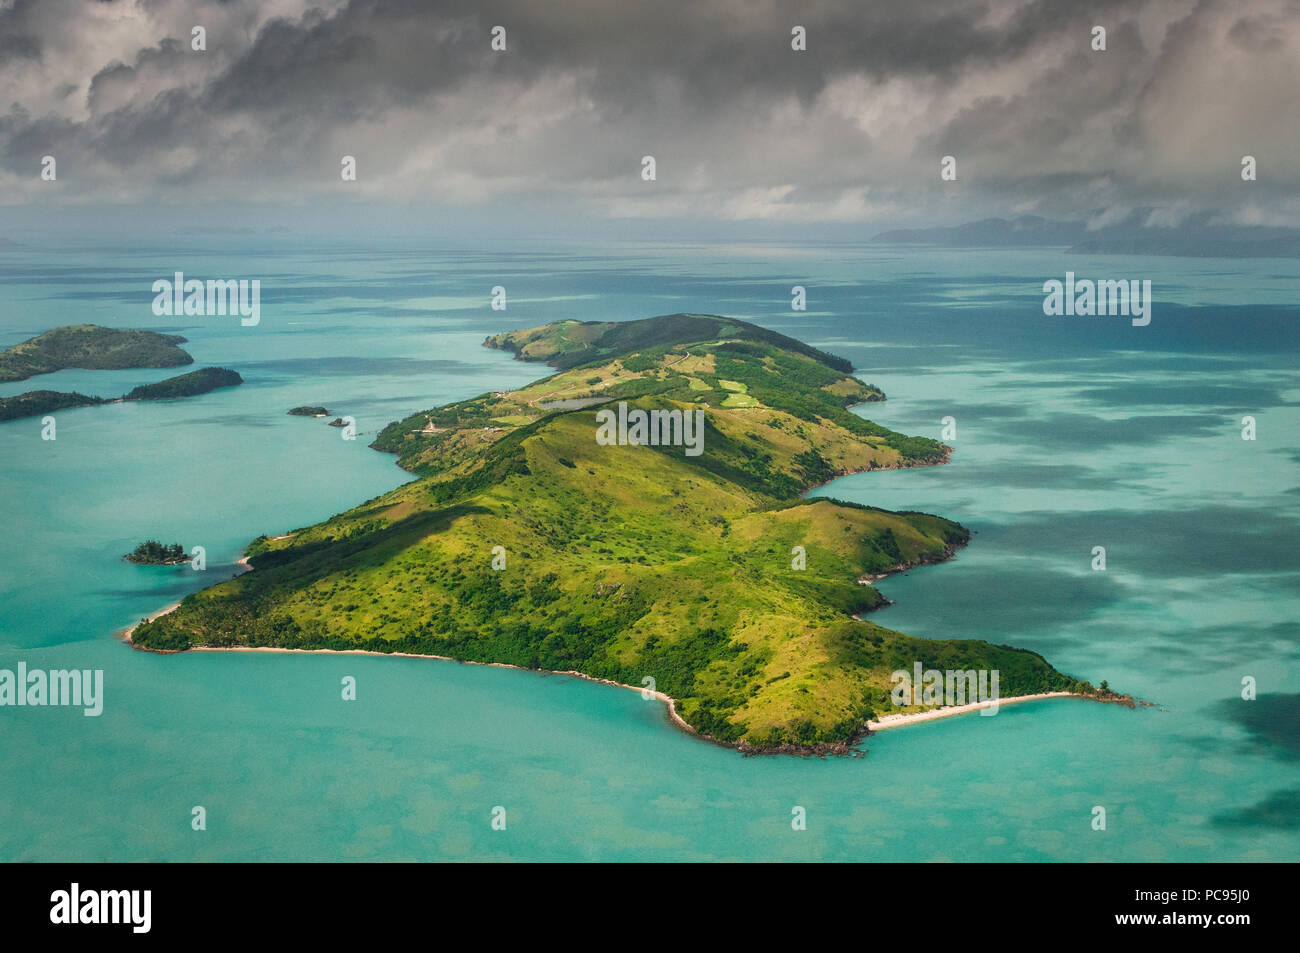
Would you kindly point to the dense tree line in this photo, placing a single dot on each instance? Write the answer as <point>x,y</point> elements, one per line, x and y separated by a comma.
<point>154,553</point>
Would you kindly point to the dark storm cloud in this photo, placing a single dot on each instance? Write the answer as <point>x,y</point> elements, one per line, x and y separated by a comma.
<point>17,46</point>
<point>742,126</point>
<point>16,42</point>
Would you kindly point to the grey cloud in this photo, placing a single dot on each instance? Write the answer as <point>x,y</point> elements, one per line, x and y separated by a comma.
<point>742,127</point>
<point>19,47</point>
<point>1257,34</point>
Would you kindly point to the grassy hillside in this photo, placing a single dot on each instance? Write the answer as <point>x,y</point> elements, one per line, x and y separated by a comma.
<point>91,347</point>
<point>624,562</point>
<point>567,344</point>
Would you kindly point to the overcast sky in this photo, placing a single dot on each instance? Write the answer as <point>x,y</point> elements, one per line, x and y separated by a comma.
<point>743,128</point>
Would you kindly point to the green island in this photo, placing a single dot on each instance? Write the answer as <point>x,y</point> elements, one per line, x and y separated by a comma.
<point>153,553</point>
<point>524,541</point>
<point>309,412</point>
<point>91,347</point>
<point>183,385</point>
<point>192,384</point>
<point>36,402</point>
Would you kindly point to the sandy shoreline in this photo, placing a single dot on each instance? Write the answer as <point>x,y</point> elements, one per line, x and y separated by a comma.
<point>244,566</point>
<point>888,721</point>
<point>126,633</point>
<point>667,700</point>
<point>911,718</point>
<point>670,702</point>
<point>898,720</point>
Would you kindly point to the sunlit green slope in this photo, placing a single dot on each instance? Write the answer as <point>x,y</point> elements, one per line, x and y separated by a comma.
<point>627,562</point>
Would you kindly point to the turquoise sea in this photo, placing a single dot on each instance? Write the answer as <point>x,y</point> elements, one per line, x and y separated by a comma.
<point>1071,433</point>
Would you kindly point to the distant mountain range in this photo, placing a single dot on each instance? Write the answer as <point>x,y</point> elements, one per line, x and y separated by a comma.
<point>1195,237</point>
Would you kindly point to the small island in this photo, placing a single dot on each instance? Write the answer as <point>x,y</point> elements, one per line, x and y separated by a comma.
<point>91,347</point>
<point>37,402</point>
<point>708,579</point>
<point>338,422</point>
<point>309,412</point>
<point>153,553</point>
<point>192,384</point>
<point>187,385</point>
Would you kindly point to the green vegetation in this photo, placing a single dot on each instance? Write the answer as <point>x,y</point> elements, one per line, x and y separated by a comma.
<point>567,344</point>
<point>187,385</point>
<point>183,385</point>
<point>623,562</point>
<point>36,402</point>
<point>90,347</point>
<point>309,412</point>
<point>154,553</point>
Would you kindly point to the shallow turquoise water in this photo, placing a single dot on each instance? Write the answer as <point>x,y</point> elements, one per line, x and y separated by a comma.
<point>1069,436</point>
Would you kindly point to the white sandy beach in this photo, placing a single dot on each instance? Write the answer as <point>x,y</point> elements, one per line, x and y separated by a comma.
<point>888,721</point>
<point>670,702</point>
<point>126,633</point>
<point>911,718</point>
<point>667,700</point>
